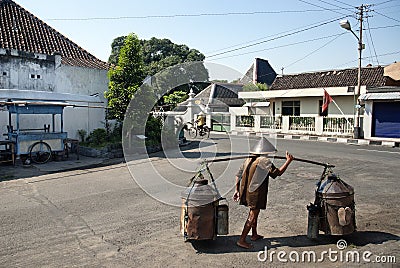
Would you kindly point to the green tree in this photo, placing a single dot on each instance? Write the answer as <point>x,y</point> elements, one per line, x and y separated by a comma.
<point>175,97</point>
<point>126,77</point>
<point>158,54</point>
<point>255,87</point>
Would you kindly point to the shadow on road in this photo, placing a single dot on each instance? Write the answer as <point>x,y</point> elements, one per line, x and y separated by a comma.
<point>227,244</point>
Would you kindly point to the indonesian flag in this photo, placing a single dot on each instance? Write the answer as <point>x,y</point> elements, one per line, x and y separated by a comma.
<point>326,100</point>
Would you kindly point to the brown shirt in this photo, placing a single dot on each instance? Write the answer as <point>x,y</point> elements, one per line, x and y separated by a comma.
<point>254,174</point>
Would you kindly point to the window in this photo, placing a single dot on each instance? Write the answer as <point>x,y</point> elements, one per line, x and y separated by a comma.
<point>37,76</point>
<point>320,109</point>
<point>291,108</point>
<point>4,73</point>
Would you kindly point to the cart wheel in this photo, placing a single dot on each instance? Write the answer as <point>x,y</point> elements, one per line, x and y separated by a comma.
<point>40,152</point>
<point>192,132</point>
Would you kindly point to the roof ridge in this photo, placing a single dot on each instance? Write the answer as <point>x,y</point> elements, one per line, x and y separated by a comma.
<point>333,70</point>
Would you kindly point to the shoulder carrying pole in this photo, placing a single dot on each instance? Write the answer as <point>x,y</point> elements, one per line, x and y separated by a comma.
<point>327,165</point>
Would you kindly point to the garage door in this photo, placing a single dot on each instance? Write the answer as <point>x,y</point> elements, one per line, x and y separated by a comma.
<point>386,119</point>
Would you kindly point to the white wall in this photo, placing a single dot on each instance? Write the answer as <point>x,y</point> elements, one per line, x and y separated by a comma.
<point>310,106</point>
<point>17,69</point>
<point>26,71</point>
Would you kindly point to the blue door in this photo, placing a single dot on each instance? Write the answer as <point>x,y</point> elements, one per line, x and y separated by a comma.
<point>386,119</point>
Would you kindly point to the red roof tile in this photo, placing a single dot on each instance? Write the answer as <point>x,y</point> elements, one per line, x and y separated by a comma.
<point>370,77</point>
<point>21,30</point>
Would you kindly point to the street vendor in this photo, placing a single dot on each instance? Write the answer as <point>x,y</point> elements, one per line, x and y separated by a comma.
<point>251,186</point>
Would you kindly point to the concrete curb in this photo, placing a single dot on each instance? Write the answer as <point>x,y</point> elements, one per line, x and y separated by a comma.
<point>375,142</point>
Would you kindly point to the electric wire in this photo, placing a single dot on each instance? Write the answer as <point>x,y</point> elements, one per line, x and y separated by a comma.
<point>271,48</point>
<point>372,42</point>
<point>343,3</point>
<point>346,8</point>
<point>262,38</point>
<point>386,16</point>
<point>186,15</point>
<point>314,51</point>
<point>272,39</point>
<point>328,9</point>
<point>391,7</point>
<point>384,2</point>
<point>364,58</point>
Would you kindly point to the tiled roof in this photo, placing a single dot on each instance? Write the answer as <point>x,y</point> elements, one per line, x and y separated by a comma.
<point>20,30</point>
<point>224,92</point>
<point>370,77</point>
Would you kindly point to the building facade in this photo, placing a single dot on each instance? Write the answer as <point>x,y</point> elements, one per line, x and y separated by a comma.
<point>39,63</point>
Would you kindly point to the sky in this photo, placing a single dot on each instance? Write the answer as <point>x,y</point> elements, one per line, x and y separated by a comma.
<point>296,35</point>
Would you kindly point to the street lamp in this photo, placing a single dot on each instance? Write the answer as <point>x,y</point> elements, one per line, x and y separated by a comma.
<point>346,25</point>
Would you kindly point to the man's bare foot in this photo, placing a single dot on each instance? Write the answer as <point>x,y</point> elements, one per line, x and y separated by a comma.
<point>256,237</point>
<point>244,244</point>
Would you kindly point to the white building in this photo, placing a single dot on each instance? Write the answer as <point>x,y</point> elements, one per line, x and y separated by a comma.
<point>39,63</point>
<point>293,104</point>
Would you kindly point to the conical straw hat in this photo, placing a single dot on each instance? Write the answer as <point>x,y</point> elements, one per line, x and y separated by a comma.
<point>263,146</point>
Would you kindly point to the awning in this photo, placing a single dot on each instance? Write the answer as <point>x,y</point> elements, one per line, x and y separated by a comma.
<point>33,95</point>
<point>257,104</point>
<point>380,96</point>
<point>27,103</point>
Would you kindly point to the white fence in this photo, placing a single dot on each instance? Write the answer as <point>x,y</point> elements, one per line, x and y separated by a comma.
<point>310,125</point>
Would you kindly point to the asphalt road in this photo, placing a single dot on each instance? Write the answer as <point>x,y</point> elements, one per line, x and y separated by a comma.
<point>101,217</point>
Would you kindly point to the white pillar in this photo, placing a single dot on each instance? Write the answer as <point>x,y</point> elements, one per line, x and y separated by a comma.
<point>190,105</point>
<point>319,125</point>
<point>285,124</point>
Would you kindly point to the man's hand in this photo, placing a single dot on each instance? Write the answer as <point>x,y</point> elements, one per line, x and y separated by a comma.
<point>289,157</point>
<point>236,196</point>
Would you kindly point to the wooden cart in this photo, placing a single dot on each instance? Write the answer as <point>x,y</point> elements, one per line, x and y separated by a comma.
<point>38,144</point>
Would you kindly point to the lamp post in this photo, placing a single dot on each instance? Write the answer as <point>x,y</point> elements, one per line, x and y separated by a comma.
<point>346,25</point>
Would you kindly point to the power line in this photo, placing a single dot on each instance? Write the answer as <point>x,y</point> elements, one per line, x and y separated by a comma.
<point>186,15</point>
<point>277,34</point>
<point>384,2</point>
<point>271,48</point>
<point>272,39</point>
<point>391,7</point>
<point>335,5</point>
<point>363,58</point>
<point>328,9</point>
<point>372,42</point>
<point>346,4</point>
<point>312,52</point>
<point>384,27</point>
<point>386,16</point>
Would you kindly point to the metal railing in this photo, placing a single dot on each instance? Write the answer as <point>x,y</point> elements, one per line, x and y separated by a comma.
<point>271,122</point>
<point>245,121</point>
<point>338,124</point>
<point>302,123</point>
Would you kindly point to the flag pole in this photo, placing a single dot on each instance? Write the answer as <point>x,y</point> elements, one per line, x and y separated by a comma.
<point>340,110</point>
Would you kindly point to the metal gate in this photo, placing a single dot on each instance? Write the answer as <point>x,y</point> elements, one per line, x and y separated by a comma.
<point>386,119</point>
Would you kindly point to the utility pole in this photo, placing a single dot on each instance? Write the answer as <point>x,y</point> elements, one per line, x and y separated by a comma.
<point>362,10</point>
<point>362,13</point>
<point>357,128</point>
